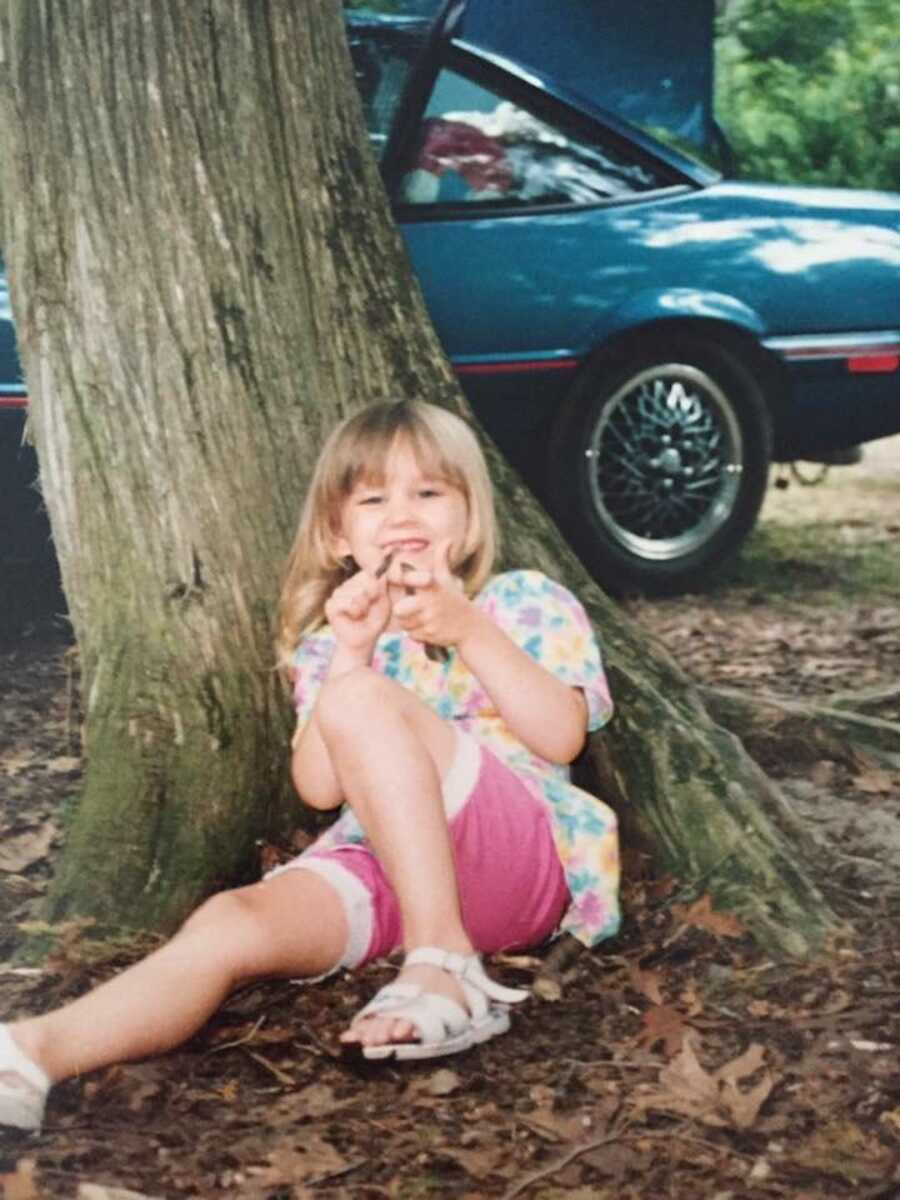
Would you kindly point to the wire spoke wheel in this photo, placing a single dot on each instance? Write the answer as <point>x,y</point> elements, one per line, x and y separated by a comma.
<point>665,461</point>
<point>660,459</point>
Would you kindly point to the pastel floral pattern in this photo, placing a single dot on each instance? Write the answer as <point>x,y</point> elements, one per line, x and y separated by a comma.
<point>551,626</point>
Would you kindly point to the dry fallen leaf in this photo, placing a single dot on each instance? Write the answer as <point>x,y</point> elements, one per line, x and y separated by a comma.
<point>555,1126</point>
<point>319,1100</point>
<point>686,1087</point>
<point>689,1085</point>
<point>876,782</point>
<point>701,913</point>
<point>663,1024</point>
<point>479,1161</point>
<point>314,1158</point>
<point>645,982</point>
<point>744,1106</point>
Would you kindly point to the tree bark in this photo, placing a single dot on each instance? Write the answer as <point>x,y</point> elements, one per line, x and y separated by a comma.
<point>205,277</point>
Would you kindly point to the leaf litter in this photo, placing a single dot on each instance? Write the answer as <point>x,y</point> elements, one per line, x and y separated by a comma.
<point>676,1061</point>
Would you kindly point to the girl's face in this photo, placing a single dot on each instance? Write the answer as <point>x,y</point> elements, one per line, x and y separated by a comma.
<point>409,514</point>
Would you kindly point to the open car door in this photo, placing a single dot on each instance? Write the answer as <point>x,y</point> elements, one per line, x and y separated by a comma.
<point>649,62</point>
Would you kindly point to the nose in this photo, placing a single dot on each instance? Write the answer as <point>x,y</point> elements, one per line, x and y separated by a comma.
<point>399,509</point>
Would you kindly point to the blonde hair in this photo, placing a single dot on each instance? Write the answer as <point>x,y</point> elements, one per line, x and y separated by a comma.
<point>357,450</point>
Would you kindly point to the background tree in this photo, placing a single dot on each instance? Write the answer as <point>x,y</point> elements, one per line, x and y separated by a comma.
<point>809,90</point>
<point>205,278</point>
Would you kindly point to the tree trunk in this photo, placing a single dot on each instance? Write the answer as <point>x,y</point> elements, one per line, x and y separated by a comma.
<point>205,276</point>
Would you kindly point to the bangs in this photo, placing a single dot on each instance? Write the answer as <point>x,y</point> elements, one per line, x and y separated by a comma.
<point>363,458</point>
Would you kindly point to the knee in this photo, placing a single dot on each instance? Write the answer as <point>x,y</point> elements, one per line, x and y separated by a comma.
<point>353,700</point>
<point>229,928</point>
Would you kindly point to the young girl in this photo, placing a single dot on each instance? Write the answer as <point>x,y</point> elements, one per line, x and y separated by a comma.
<point>437,707</point>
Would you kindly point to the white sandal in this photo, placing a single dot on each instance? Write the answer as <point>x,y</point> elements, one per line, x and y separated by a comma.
<point>444,1026</point>
<point>23,1086</point>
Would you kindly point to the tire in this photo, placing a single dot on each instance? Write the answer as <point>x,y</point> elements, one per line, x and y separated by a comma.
<point>659,464</point>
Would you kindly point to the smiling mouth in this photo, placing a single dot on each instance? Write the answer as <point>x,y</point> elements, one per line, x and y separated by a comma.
<point>408,546</point>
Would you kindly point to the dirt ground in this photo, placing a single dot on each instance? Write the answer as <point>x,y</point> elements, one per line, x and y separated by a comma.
<point>676,1062</point>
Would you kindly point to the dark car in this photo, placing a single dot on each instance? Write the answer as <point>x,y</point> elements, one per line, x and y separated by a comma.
<point>640,334</point>
<point>17,465</point>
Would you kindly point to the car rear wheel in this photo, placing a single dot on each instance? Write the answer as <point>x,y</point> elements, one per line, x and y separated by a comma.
<point>659,466</point>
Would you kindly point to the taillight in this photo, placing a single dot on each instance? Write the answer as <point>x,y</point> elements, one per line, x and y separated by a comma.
<point>873,363</point>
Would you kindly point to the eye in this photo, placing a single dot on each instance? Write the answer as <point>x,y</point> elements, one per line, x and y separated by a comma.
<point>370,498</point>
<point>428,492</point>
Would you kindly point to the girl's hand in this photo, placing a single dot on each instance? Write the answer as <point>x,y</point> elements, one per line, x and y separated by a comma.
<point>433,608</point>
<point>358,612</point>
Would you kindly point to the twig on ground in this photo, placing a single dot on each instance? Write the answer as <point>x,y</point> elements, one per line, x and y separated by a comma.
<point>241,1041</point>
<point>621,1134</point>
<point>281,1076</point>
<point>527,1180</point>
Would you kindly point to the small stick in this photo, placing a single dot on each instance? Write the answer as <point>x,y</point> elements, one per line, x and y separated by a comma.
<point>434,653</point>
<point>385,563</point>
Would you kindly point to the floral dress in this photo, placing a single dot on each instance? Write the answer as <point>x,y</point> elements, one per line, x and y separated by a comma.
<point>550,625</point>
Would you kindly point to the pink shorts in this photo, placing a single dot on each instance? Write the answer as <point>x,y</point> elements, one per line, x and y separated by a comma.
<point>512,886</point>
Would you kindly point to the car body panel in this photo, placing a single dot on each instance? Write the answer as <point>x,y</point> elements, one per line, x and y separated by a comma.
<point>765,260</point>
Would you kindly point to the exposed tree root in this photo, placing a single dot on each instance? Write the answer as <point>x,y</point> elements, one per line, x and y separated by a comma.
<point>869,700</point>
<point>776,730</point>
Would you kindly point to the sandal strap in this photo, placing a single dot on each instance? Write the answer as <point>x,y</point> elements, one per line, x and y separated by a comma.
<point>467,968</point>
<point>16,1061</point>
<point>435,1017</point>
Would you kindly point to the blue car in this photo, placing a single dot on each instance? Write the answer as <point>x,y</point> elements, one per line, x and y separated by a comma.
<point>639,333</point>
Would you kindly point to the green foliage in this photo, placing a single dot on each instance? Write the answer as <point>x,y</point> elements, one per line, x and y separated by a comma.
<point>809,90</point>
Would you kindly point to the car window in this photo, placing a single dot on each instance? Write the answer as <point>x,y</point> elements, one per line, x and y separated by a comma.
<point>476,147</point>
<point>383,54</point>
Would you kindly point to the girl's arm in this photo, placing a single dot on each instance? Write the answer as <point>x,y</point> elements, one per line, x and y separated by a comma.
<point>546,714</point>
<point>311,768</point>
<point>357,612</point>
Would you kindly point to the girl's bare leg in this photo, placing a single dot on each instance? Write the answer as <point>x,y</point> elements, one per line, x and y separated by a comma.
<point>390,752</point>
<point>291,925</point>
